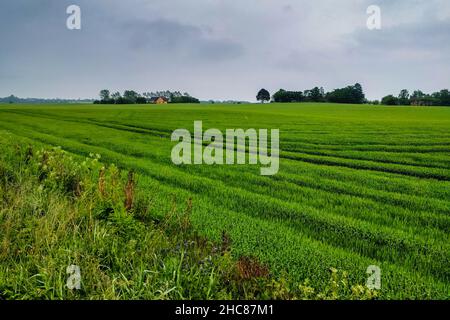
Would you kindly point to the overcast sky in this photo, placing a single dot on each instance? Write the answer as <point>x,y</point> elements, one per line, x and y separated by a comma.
<point>222,49</point>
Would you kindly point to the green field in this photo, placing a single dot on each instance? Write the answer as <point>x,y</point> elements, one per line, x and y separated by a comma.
<point>357,185</point>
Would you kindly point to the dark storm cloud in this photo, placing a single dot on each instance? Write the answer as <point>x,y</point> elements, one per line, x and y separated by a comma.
<point>221,49</point>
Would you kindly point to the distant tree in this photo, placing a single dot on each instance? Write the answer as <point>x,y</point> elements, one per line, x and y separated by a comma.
<point>184,99</point>
<point>169,95</point>
<point>149,95</point>
<point>122,100</point>
<point>279,96</point>
<point>390,100</point>
<point>418,98</point>
<point>288,96</point>
<point>315,95</point>
<point>130,96</point>
<point>358,94</point>
<point>342,95</point>
<point>441,98</point>
<point>307,95</point>
<point>349,94</point>
<point>141,100</point>
<point>104,95</point>
<point>166,94</point>
<point>116,95</point>
<point>417,94</point>
<point>444,97</point>
<point>403,98</point>
<point>322,92</point>
<point>263,95</point>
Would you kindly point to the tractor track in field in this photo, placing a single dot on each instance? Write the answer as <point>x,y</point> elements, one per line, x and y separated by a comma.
<point>149,155</point>
<point>322,228</point>
<point>328,160</point>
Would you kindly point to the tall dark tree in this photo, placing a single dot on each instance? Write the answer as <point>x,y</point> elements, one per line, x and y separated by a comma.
<point>130,96</point>
<point>141,100</point>
<point>403,98</point>
<point>279,96</point>
<point>418,98</point>
<point>263,95</point>
<point>288,96</point>
<point>417,94</point>
<point>390,100</point>
<point>184,99</point>
<point>104,95</point>
<point>116,95</point>
<point>358,94</point>
<point>349,94</point>
<point>444,97</point>
<point>316,94</point>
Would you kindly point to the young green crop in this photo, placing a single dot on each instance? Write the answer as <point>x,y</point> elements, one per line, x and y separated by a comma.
<point>357,185</point>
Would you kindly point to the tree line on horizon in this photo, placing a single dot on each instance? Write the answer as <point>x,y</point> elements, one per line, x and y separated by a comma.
<point>418,98</point>
<point>132,97</point>
<point>350,94</point>
<point>355,95</point>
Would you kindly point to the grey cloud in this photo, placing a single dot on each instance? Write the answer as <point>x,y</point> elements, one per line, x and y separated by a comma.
<point>432,36</point>
<point>187,41</point>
